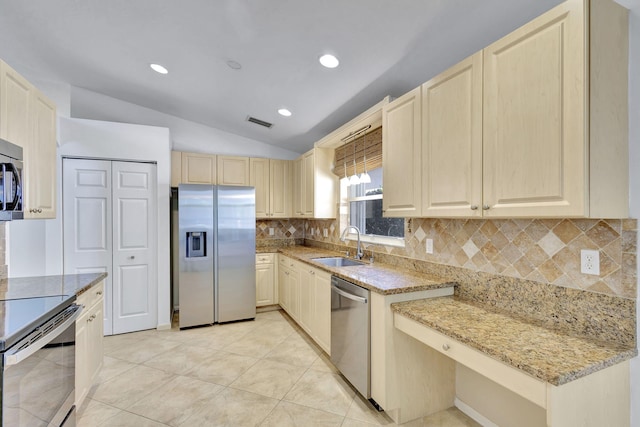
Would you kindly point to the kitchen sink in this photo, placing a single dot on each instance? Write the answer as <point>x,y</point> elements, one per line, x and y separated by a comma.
<point>338,261</point>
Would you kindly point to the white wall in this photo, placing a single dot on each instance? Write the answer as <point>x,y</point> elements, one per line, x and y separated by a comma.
<point>106,140</point>
<point>186,135</point>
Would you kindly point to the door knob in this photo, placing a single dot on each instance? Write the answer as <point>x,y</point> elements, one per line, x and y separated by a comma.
<point>132,257</point>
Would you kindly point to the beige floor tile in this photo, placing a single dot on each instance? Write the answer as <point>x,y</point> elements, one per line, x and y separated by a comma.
<point>269,378</point>
<point>112,367</point>
<point>350,422</point>
<point>127,419</point>
<point>294,350</point>
<point>216,336</point>
<point>255,345</point>
<point>288,414</point>
<point>323,364</point>
<point>452,417</point>
<point>182,360</point>
<point>176,401</point>
<point>92,413</point>
<point>129,387</point>
<point>233,408</point>
<point>322,390</point>
<point>362,410</point>
<point>116,342</point>
<point>143,350</point>
<point>271,315</point>
<point>222,368</point>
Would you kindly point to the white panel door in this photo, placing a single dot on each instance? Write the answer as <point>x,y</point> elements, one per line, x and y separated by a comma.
<point>135,299</point>
<point>87,223</point>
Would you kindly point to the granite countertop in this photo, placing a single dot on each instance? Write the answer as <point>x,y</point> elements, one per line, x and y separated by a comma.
<point>380,278</point>
<point>40,286</point>
<point>549,355</point>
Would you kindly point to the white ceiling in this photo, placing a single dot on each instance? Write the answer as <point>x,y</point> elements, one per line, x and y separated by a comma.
<point>386,47</point>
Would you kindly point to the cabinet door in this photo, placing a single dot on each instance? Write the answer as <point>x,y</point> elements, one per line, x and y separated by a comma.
<point>283,287</point>
<point>259,178</point>
<point>40,160</point>
<point>307,294</point>
<point>534,126</point>
<point>401,145</point>
<point>298,187</point>
<point>280,184</point>
<point>322,318</point>
<point>95,333</point>
<point>308,182</point>
<point>233,170</point>
<point>15,102</point>
<point>198,168</point>
<point>83,380</point>
<point>264,285</point>
<point>176,168</point>
<point>294,293</point>
<point>452,141</point>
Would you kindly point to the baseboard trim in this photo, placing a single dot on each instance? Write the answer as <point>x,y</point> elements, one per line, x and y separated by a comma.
<point>164,326</point>
<point>472,413</point>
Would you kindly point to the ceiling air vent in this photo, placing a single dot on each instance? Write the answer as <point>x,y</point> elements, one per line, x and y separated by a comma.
<point>259,122</point>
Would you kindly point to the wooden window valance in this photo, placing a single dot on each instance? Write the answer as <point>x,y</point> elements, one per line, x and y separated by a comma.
<point>373,142</point>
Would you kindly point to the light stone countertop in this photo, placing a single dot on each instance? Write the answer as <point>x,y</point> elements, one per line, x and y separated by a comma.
<point>552,356</point>
<point>40,286</point>
<point>380,278</point>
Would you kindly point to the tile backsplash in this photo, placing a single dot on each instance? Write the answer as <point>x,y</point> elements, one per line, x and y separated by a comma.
<point>278,229</point>
<point>539,250</point>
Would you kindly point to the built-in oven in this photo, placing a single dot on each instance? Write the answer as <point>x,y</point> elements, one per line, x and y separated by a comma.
<point>10,181</point>
<point>38,361</point>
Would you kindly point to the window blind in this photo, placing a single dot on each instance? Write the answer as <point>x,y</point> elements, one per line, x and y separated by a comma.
<point>345,153</point>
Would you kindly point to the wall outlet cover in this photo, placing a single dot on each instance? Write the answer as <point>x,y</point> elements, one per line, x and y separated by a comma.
<point>429,246</point>
<point>271,232</point>
<point>325,232</point>
<point>590,262</point>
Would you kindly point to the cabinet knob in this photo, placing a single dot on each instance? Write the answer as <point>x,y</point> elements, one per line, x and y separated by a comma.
<point>474,207</point>
<point>312,272</point>
<point>445,347</point>
<point>485,207</point>
<point>39,210</point>
<point>99,293</point>
<point>132,257</point>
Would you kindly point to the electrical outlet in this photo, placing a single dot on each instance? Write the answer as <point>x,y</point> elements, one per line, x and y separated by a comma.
<point>312,231</point>
<point>429,246</point>
<point>271,231</point>
<point>325,232</point>
<point>590,262</point>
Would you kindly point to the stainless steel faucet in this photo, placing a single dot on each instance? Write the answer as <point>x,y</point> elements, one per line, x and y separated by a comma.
<point>371,250</point>
<point>359,253</point>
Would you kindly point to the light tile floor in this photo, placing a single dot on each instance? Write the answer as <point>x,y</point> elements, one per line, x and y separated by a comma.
<point>266,372</point>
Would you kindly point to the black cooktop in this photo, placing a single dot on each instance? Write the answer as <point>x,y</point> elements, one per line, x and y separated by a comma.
<point>18,317</point>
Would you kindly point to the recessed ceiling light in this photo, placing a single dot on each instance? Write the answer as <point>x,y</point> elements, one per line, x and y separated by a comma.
<point>158,68</point>
<point>234,65</point>
<point>284,112</point>
<point>329,61</point>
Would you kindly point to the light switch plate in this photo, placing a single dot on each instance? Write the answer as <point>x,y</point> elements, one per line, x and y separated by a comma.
<point>590,262</point>
<point>429,245</point>
<point>271,231</point>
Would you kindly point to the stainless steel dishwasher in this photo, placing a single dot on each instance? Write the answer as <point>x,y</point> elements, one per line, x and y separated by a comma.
<point>350,336</point>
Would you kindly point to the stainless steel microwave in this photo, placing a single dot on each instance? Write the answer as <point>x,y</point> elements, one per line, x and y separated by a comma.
<point>10,181</point>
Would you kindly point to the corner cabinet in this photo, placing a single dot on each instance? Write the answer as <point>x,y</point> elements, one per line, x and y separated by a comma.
<point>315,186</point>
<point>401,147</point>
<point>89,340</point>
<point>28,119</point>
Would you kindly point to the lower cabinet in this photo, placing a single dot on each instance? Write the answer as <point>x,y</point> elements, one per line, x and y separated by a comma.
<point>89,340</point>
<point>305,294</point>
<point>266,291</point>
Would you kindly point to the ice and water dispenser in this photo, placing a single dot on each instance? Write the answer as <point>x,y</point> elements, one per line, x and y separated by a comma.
<point>196,244</point>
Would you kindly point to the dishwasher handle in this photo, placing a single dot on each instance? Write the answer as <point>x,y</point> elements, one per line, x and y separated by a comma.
<point>348,295</point>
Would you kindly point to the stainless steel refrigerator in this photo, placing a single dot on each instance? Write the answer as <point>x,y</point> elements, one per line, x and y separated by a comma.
<point>217,238</point>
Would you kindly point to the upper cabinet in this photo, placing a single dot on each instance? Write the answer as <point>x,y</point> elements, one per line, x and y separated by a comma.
<point>176,168</point>
<point>401,148</point>
<point>198,168</point>
<point>535,125</point>
<point>452,141</point>
<point>233,170</point>
<point>272,181</point>
<point>28,119</point>
<point>314,185</point>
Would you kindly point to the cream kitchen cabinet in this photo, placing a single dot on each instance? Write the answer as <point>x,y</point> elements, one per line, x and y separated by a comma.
<point>289,286</point>
<point>452,141</point>
<point>176,168</point>
<point>266,291</point>
<point>89,340</point>
<point>199,168</point>
<point>233,170</point>
<point>555,126</point>
<point>28,119</point>
<point>315,186</point>
<point>401,148</point>
<point>272,181</point>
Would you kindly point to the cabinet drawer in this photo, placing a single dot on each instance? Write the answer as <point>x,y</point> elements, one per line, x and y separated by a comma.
<point>513,379</point>
<point>265,258</point>
<point>92,296</point>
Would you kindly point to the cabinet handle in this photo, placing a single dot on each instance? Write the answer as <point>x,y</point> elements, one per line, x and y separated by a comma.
<point>99,293</point>
<point>474,207</point>
<point>312,272</point>
<point>485,207</point>
<point>286,272</point>
<point>39,210</point>
<point>445,347</point>
<point>90,319</point>
<point>132,257</point>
